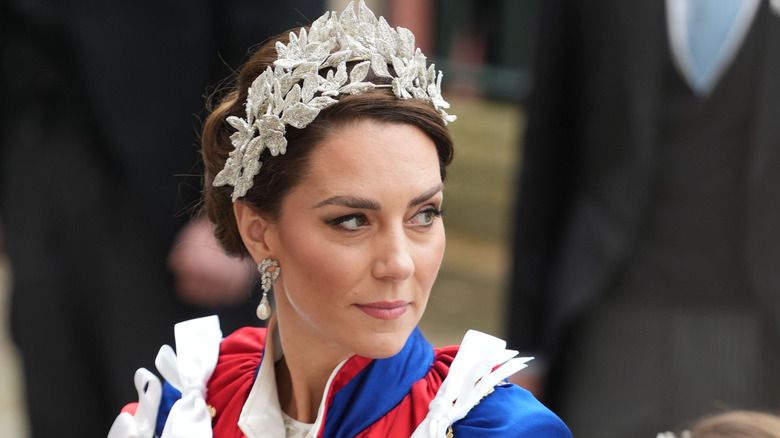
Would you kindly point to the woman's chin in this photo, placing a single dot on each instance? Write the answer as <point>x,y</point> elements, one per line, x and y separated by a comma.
<point>384,345</point>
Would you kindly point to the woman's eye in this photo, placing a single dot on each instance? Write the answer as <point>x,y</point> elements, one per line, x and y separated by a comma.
<point>350,222</point>
<point>427,216</point>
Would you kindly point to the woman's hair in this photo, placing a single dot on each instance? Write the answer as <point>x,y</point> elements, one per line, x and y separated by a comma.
<point>738,424</point>
<point>281,173</point>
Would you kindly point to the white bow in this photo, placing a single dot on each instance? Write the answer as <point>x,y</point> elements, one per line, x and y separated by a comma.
<point>142,424</point>
<point>470,378</point>
<point>197,345</point>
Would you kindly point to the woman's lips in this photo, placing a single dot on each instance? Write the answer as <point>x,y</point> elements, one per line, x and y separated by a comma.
<point>384,309</point>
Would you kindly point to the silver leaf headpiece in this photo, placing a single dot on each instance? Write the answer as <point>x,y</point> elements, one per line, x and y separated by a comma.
<point>277,98</point>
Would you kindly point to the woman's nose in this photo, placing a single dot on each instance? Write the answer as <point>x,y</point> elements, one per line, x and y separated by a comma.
<point>392,260</point>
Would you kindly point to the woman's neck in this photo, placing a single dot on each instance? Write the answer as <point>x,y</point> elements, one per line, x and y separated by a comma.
<point>302,375</point>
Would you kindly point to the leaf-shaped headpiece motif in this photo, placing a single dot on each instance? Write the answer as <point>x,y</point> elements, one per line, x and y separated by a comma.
<point>293,92</point>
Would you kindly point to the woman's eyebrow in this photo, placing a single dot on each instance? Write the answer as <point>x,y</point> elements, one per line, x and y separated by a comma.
<point>350,202</point>
<point>427,195</point>
<point>368,204</point>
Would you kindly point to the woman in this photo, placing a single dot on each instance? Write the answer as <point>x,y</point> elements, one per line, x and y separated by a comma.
<point>738,424</point>
<point>733,424</point>
<point>342,214</point>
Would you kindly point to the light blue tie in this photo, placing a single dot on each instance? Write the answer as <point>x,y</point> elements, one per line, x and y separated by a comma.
<point>709,24</point>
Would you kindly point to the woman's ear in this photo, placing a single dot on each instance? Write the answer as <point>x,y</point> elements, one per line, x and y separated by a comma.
<point>252,227</point>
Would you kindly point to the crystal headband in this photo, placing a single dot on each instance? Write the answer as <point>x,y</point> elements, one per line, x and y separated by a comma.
<point>277,99</point>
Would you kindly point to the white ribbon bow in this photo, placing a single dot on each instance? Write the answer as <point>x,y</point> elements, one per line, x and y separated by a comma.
<point>197,345</point>
<point>470,378</point>
<point>142,424</point>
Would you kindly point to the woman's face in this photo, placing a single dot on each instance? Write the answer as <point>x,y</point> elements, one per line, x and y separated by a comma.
<point>360,241</point>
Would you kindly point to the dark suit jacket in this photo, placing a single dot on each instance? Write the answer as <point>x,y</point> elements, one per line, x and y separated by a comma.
<point>589,159</point>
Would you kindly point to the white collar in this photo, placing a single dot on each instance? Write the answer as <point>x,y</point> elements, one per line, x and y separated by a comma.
<point>262,416</point>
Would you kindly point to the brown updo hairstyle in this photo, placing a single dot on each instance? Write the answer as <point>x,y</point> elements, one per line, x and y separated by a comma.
<point>279,174</point>
<point>738,424</point>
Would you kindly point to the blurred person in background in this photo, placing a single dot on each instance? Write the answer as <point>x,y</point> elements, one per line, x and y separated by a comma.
<point>647,242</point>
<point>98,133</point>
<point>733,424</point>
<point>738,424</point>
